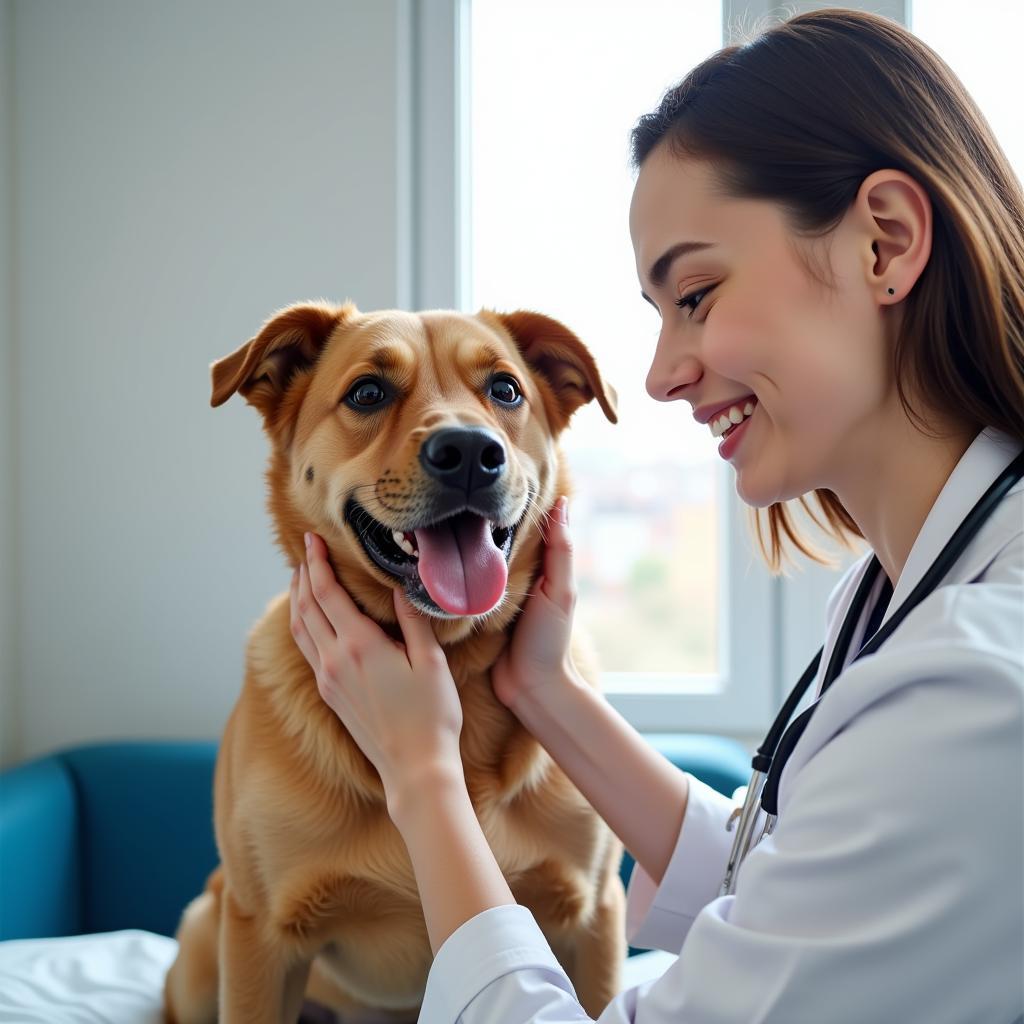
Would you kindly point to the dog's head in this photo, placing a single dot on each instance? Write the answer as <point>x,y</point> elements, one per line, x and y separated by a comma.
<point>420,446</point>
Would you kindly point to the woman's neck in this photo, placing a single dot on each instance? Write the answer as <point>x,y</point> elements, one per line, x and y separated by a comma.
<point>892,485</point>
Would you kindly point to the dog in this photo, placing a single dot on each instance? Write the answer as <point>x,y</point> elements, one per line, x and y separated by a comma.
<point>416,445</point>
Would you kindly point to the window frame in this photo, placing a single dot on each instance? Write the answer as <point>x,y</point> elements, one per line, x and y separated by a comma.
<point>770,627</point>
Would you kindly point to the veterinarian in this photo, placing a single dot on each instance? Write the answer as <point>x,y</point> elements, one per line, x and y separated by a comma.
<point>834,243</point>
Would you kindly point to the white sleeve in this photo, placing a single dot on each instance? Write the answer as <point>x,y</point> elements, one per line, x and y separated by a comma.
<point>891,890</point>
<point>498,968</point>
<point>660,916</point>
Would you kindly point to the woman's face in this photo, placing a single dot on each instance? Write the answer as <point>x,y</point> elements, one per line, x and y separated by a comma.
<point>758,330</point>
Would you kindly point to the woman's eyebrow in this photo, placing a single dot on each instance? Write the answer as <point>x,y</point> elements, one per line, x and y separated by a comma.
<point>660,268</point>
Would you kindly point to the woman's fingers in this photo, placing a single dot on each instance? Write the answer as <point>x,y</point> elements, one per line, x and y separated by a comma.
<point>420,642</point>
<point>339,610</point>
<point>302,638</point>
<point>311,615</point>
<point>559,584</point>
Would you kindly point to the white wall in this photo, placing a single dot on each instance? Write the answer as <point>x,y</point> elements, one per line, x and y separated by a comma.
<point>181,170</point>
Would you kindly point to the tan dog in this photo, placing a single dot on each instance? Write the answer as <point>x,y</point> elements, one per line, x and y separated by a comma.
<point>422,448</point>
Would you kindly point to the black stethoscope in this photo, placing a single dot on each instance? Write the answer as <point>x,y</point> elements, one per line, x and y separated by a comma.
<point>773,753</point>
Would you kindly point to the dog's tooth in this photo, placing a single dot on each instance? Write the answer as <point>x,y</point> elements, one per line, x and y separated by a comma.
<point>406,541</point>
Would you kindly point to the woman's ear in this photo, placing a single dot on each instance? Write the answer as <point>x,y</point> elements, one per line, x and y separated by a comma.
<point>290,341</point>
<point>897,215</point>
<point>561,360</point>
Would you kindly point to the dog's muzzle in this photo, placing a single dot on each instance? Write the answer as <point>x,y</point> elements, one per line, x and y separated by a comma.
<point>453,559</point>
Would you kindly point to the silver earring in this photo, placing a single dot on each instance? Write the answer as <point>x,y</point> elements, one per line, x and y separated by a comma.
<point>892,291</point>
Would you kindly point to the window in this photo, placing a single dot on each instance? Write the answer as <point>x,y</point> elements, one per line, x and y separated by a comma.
<point>550,194</point>
<point>553,99</point>
<point>981,49</point>
<point>522,199</point>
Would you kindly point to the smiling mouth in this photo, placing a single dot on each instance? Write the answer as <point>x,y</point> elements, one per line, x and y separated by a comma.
<point>456,566</point>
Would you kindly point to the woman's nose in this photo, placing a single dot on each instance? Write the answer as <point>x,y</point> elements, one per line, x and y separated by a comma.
<point>671,372</point>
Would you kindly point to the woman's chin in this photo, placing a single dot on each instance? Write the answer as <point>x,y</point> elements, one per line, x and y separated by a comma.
<point>759,489</point>
<point>756,492</point>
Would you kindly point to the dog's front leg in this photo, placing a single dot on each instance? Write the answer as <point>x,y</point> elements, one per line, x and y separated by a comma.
<point>601,946</point>
<point>259,982</point>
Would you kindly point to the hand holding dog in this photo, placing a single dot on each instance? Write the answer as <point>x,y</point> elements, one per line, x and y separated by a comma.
<point>398,701</point>
<point>538,658</point>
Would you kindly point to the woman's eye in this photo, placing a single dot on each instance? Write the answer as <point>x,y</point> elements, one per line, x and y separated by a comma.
<point>693,300</point>
<point>505,390</point>
<point>365,393</point>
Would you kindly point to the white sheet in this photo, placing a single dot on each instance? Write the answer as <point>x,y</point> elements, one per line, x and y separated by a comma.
<point>107,978</point>
<point>118,978</point>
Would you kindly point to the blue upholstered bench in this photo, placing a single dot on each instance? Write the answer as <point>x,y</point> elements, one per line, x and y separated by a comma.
<point>112,836</point>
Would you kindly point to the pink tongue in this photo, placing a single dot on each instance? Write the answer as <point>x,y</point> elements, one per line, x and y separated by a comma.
<point>463,571</point>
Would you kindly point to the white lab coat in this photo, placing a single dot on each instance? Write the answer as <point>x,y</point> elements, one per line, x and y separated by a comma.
<point>892,889</point>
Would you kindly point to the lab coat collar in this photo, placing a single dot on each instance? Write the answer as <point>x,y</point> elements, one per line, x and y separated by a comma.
<point>988,455</point>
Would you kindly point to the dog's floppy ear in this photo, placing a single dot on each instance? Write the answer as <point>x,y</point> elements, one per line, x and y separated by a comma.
<point>289,341</point>
<point>555,353</point>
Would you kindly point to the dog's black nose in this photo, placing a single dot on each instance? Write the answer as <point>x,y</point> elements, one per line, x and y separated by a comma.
<point>466,458</point>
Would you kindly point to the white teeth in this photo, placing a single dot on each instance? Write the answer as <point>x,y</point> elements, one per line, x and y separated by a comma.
<point>730,417</point>
<point>404,544</point>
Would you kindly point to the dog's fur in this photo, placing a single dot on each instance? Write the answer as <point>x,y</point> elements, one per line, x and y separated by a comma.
<point>315,896</point>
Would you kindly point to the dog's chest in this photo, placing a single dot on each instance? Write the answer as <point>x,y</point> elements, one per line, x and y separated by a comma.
<point>375,946</point>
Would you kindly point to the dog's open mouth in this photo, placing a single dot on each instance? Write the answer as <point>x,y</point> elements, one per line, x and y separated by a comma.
<point>459,564</point>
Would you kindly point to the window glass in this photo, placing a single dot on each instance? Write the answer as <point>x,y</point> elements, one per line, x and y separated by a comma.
<point>556,86</point>
<point>981,43</point>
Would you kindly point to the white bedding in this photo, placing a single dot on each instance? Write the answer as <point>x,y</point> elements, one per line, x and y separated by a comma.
<point>118,978</point>
<point>108,978</point>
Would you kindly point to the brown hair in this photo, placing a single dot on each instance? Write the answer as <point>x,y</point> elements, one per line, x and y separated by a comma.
<point>801,115</point>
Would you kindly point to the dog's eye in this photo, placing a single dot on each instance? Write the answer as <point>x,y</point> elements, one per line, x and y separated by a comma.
<point>505,390</point>
<point>366,392</point>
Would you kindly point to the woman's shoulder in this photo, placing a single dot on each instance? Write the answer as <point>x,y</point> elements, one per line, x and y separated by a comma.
<point>981,607</point>
<point>983,618</point>
<point>954,664</point>
<point>967,637</point>
<point>1000,544</point>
